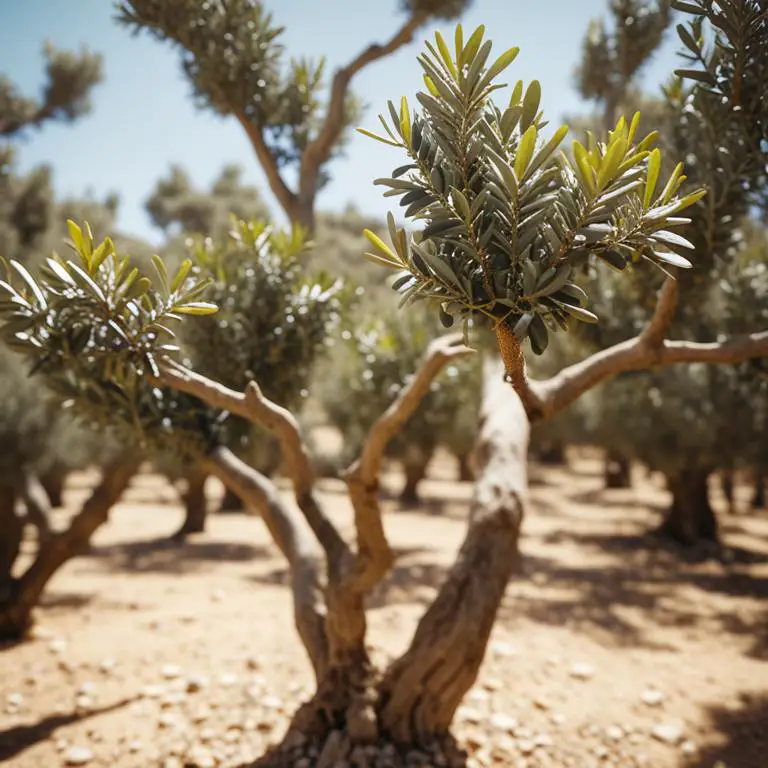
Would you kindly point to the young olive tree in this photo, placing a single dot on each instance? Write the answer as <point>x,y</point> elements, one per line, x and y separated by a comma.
<point>506,218</point>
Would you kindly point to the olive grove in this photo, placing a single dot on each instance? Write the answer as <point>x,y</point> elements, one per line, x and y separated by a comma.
<point>504,220</point>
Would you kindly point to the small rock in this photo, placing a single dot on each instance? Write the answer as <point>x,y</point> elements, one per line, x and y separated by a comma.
<point>502,649</point>
<point>152,691</point>
<point>227,680</point>
<point>39,633</point>
<point>601,752</point>
<point>470,715</point>
<point>492,684</point>
<point>78,756</point>
<point>200,758</point>
<point>106,666</point>
<point>502,722</point>
<point>652,697</point>
<point>14,700</point>
<point>218,595</point>
<point>688,748</point>
<point>526,746</point>
<point>614,733</point>
<point>669,733</point>
<point>252,663</point>
<point>543,739</point>
<point>539,703</point>
<point>87,689</point>
<point>57,646</point>
<point>170,671</point>
<point>61,744</point>
<point>478,694</point>
<point>196,683</point>
<point>84,702</point>
<point>272,702</point>
<point>134,747</point>
<point>582,671</point>
<point>558,718</point>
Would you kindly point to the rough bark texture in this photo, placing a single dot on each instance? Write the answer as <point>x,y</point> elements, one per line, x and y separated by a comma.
<point>422,690</point>
<point>618,470</point>
<point>690,519</point>
<point>16,608</point>
<point>195,504</point>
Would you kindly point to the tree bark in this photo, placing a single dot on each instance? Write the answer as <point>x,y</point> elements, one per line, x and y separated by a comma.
<point>53,482</point>
<point>618,470</point>
<point>231,502</point>
<point>758,498</point>
<point>195,504</point>
<point>727,484</point>
<point>466,475</point>
<point>16,609</point>
<point>11,531</point>
<point>690,519</point>
<point>421,691</point>
<point>415,464</point>
<point>36,501</point>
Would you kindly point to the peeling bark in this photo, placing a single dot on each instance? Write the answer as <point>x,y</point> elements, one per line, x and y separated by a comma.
<point>16,609</point>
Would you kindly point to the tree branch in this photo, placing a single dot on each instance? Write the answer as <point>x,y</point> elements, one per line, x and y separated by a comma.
<point>280,189</point>
<point>255,407</point>
<point>374,557</point>
<point>319,149</point>
<point>635,354</point>
<point>663,314</point>
<point>294,539</point>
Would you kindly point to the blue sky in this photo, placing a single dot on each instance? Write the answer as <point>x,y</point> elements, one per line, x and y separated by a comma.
<point>143,119</point>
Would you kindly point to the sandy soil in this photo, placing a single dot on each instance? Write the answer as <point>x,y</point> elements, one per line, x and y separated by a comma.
<point>607,651</point>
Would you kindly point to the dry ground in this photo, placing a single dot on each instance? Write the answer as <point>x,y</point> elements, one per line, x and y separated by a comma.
<point>607,651</point>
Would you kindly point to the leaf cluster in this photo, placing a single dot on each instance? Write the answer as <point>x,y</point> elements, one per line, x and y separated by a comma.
<point>507,218</point>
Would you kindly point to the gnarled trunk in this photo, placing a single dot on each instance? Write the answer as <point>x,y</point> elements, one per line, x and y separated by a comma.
<point>16,608</point>
<point>618,470</point>
<point>195,504</point>
<point>690,519</point>
<point>413,702</point>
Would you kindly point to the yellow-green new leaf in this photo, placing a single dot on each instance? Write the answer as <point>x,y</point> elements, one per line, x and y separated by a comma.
<point>654,165</point>
<point>196,308</point>
<point>371,135</point>
<point>381,246</point>
<point>446,55</point>
<point>525,151</point>
<point>405,120</point>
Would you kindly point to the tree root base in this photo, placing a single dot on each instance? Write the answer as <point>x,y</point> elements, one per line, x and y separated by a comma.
<point>336,750</point>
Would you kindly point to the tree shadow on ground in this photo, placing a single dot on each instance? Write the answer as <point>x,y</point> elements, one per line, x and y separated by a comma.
<point>742,732</point>
<point>15,740</point>
<point>624,587</point>
<point>166,556</point>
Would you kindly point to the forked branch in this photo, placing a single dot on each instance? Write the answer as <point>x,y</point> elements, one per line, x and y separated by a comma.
<point>374,557</point>
<point>648,350</point>
<point>320,148</point>
<point>254,406</point>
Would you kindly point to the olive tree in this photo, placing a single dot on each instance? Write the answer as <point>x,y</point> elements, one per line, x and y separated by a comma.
<point>234,58</point>
<point>506,217</point>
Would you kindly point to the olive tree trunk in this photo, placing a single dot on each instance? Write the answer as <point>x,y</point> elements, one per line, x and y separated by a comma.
<point>24,592</point>
<point>690,518</point>
<point>415,463</point>
<point>195,504</point>
<point>758,498</point>
<point>618,470</point>
<point>53,481</point>
<point>11,531</point>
